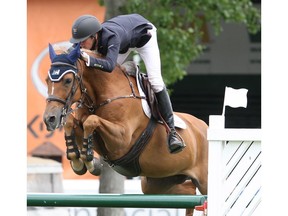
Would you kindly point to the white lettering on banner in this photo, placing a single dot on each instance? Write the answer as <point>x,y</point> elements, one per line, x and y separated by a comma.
<point>132,186</point>
<point>129,212</point>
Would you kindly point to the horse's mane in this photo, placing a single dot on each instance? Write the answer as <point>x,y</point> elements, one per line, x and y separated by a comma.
<point>60,49</point>
<point>65,50</point>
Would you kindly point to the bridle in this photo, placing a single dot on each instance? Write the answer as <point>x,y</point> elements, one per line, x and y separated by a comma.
<point>85,99</point>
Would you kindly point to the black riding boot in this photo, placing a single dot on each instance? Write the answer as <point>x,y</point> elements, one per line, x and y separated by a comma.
<point>164,104</point>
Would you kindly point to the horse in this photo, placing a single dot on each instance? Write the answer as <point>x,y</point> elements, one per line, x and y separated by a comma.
<point>103,112</point>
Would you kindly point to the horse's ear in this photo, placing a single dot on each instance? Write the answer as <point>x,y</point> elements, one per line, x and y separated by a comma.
<point>75,53</point>
<point>52,53</point>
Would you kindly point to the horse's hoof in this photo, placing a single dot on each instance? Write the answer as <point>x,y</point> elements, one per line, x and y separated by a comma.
<point>97,167</point>
<point>79,172</point>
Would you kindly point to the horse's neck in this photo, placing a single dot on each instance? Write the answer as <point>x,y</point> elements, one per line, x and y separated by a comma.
<point>103,85</point>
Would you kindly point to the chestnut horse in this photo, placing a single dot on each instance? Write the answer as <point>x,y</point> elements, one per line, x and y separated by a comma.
<point>102,112</point>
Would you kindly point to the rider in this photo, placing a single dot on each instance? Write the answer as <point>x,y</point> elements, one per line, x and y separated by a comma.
<point>115,39</point>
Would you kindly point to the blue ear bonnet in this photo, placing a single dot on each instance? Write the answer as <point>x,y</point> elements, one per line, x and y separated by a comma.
<point>58,67</point>
<point>63,63</point>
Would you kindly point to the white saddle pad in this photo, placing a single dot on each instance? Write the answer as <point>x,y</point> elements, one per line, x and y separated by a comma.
<point>178,122</point>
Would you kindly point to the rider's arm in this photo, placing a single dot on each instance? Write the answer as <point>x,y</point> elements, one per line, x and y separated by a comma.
<point>108,62</point>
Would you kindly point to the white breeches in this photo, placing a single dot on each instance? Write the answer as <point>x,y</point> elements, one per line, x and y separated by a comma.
<point>150,54</point>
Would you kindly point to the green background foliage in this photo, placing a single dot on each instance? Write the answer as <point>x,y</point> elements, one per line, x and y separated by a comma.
<point>180,27</point>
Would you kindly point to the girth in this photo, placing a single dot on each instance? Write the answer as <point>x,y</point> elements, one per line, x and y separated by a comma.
<point>128,165</point>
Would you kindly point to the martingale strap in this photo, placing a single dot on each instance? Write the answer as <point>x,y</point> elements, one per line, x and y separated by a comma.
<point>128,165</point>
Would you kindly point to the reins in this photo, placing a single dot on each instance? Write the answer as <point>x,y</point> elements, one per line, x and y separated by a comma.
<point>85,99</point>
<point>132,95</point>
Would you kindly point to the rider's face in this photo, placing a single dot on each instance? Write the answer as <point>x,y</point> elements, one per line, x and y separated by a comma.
<point>88,43</point>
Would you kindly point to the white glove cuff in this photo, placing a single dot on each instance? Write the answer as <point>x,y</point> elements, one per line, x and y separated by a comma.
<point>88,60</point>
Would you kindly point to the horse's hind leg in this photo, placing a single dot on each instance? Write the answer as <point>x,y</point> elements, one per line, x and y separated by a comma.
<point>72,152</point>
<point>179,184</point>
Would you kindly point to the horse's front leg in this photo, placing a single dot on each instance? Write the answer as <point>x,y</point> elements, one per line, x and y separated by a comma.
<point>72,152</point>
<point>111,133</point>
<point>92,163</point>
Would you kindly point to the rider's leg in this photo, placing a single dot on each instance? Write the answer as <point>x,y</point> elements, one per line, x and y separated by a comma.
<point>151,57</point>
<point>165,108</point>
<point>122,57</point>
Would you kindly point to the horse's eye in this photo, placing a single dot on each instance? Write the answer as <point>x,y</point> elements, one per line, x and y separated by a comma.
<point>67,81</point>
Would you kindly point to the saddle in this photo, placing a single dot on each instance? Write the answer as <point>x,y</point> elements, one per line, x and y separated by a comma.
<point>133,70</point>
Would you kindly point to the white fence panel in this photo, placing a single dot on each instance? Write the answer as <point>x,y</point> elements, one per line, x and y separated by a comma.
<point>234,176</point>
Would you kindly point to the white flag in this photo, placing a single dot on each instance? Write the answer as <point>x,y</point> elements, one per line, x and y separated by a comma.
<point>235,98</point>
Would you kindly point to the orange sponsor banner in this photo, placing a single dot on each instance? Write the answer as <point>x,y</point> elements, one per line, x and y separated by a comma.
<point>49,22</point>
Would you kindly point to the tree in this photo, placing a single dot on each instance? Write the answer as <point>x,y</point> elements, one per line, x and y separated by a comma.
<point>180,27</point>
<point>110,182</point>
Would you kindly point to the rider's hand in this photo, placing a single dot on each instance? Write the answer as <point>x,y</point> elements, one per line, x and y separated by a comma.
<point>85,57</point>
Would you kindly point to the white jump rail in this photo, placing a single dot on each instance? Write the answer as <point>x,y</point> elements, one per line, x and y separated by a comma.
<point>234,174</point>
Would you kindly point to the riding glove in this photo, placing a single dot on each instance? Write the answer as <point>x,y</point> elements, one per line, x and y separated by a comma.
<point>85,57</point>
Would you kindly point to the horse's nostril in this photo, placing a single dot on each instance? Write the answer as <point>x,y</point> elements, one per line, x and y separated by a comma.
<point>51,119</point>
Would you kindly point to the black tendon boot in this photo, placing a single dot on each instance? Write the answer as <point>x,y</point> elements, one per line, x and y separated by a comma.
<point>175,144</point>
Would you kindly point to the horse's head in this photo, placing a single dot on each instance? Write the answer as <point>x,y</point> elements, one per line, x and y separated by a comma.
<point>62,85</point>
